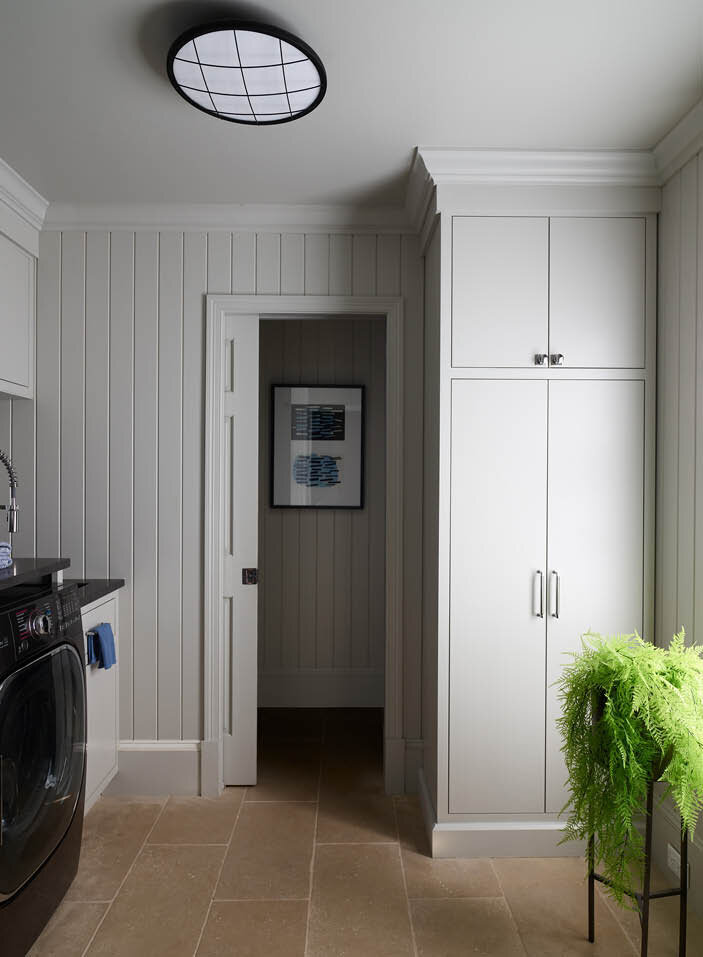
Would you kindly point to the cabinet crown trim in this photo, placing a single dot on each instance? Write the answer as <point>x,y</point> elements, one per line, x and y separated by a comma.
<point>22,198</point>
<point>540,167</point>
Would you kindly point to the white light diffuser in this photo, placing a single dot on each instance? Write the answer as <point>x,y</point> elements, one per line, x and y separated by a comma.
<point>247,73</point>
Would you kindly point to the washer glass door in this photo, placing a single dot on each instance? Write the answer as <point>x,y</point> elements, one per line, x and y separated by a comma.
<point>42,758</point>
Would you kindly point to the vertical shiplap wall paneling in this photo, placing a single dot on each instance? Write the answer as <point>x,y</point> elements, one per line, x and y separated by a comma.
<point>118,446</point>
<point>361,557</point>
<point>72,458</point>
<point>668,411</point>
<point>97,404</point>
<point>322,597</point>
<point>687,393</point>
<point>411,280</point>
<point>342,554</point>
<point>121,450</point>
<point>317,264</point>
<point>289,548</point>
<point>244,263</point>
<point>194,284</point>
<point>698,488</point>
<point>268,263</point>
<point>325,570</point>
<point>307,534</point>
<point>170,425</point>
<point>146,484</point>
<point>48,395</point>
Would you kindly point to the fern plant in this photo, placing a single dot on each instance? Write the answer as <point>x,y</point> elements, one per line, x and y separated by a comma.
<point>631,711</point>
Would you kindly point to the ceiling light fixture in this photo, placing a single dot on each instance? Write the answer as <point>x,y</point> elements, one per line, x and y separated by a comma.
<point>247,72</point>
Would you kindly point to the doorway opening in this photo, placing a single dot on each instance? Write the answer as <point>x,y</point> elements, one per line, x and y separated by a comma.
<point>322,570</point>
<point>335,665</point>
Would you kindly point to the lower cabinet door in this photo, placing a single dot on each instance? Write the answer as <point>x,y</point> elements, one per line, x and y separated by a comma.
<point>497,637</point>
<point>596,529</point>
<point>101,693</point>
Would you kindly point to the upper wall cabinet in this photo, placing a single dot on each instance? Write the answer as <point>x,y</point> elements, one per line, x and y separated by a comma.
<point>597,291</point>
<point>16,319</point>
<point>533,291</point>
<point>500,293</point>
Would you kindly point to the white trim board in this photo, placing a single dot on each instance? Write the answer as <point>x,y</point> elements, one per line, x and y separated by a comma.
<point>157,768</point>
<point>269,217</point>
<point>296,307</point>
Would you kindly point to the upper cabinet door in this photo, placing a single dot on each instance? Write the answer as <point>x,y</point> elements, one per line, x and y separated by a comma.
<point>17,305</point>
<point>499,290</point>
<point>597,292</point>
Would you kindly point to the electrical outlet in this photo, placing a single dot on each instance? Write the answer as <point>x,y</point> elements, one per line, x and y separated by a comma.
<point>673,860</point>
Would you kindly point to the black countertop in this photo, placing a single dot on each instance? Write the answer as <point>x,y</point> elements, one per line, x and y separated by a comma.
<point>90,589</point>
<point>24,570</point>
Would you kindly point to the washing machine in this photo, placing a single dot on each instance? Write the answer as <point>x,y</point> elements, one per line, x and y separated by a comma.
<point>42,757</point>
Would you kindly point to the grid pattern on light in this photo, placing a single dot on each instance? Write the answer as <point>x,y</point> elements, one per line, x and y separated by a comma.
<point>246,76</point>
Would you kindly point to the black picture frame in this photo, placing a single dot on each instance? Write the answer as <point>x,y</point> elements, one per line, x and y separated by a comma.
<point>361,474</point>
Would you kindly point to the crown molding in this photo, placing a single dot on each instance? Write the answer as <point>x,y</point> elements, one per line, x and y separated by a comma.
<point>21,198</point>
<point>223,216</point>
<point>539,167</point>
<point>419,193</point>
<point>680,144</point>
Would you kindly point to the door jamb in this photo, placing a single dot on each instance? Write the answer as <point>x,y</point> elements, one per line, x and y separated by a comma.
<point>299,307</point>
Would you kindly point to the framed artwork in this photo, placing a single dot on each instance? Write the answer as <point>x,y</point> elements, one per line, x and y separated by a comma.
<point>317,447</point>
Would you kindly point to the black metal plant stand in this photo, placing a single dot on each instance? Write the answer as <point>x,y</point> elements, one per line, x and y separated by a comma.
<point>644,898</point>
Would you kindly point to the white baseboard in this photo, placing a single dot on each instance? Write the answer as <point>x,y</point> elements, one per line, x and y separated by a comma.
<point>509,838</point>
<point>330,688</point>
<point>157,768</point>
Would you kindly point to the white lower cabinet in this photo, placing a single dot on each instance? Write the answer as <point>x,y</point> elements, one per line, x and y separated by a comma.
<point>547,518</point>
<point>103,714</point>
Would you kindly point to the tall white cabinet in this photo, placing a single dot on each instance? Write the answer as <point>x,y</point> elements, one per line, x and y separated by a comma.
<point>539,401</point>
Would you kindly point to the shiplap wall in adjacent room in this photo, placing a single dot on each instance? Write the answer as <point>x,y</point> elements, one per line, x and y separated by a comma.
<point>120,428</point>
<point>679,577</point>
<point>322,587</point>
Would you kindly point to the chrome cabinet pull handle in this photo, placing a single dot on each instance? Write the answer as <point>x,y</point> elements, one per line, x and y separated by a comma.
<point>538,595</point>
<point>555,594</point>
<point>541,358</point>
<point>556,359</point>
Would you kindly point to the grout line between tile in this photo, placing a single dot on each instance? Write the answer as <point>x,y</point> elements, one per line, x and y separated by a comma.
<point>257,900</point>
<point>405,881</point>
<point>507,904</point>
<point>187,844</point>
<point>357,843</point>
<point>614,911</point>
<point>313,856</point>
<point>124,879</point>
<point>219,873</point>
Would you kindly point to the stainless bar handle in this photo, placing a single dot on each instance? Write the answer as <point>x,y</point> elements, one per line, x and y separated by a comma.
<point>538,595</point>
<point>555,594</point>
<point>556,359</point>
<point>541,359</point>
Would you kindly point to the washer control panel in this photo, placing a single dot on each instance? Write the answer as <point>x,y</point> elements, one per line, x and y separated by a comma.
<point>28,626</point>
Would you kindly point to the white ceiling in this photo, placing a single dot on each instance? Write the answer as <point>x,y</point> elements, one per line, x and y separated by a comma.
<point>87,114</point>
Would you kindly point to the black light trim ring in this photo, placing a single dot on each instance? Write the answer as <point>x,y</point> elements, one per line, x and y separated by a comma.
<point>217,26</point>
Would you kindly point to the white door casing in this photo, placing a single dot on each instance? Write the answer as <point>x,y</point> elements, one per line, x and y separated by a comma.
<point>228,750</point>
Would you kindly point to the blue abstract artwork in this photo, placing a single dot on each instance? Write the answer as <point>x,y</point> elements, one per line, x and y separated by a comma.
<point>316,471</point>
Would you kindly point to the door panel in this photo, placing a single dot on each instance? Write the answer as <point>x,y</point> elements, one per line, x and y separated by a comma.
<point>499,290</point>
<point>596,527</point>
<point>240,507</point>
<point>497,642</point>
<point>596,294</point>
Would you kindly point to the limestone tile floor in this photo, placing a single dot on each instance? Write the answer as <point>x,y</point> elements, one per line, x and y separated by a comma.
<point>316,861</point>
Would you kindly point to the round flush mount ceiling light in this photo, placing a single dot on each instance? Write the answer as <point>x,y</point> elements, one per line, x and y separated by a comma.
<point>247,72</point>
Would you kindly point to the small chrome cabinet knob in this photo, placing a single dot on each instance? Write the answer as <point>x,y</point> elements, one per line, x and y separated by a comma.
<point>541,358</point>
<point>556,359</point>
